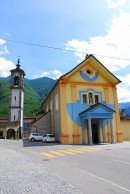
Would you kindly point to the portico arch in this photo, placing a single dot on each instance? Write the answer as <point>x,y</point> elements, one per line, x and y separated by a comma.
<point>10,133</point>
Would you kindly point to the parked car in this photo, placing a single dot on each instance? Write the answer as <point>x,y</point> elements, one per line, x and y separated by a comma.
<point>36,137</point>
<point>49,138</point>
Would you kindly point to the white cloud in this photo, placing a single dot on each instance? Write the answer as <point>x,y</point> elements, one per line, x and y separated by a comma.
<point>57,74</point>
<point>123,91</point>
<point>115,43</point>
<point>54,74</point>
<point>125,79</point>
<point>8,34</point>
<point>45,74</point>
<point>123,94</point>
<point>2,41</point>
<point>112,4</point>
<point>3,48</point>
<point>5,67</point>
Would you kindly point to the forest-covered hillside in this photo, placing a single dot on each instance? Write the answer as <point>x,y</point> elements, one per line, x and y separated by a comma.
<point>34,91</point>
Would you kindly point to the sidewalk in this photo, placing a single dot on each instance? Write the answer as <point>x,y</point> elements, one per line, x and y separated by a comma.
<point>21,175</point>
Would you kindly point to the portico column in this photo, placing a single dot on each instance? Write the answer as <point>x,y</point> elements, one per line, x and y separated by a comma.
<point>112,131</point>
<point>83,133</point>
<point>103,130</point>
<point>90,132</point>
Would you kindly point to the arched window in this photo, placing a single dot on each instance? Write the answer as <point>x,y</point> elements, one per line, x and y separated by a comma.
<point>90,97</point>
<point>16,80</point>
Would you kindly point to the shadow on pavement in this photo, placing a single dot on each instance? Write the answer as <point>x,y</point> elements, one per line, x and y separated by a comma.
<point>27,143</point>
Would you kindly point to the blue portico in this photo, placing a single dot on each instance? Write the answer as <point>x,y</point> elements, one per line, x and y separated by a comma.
<point>97,116</point>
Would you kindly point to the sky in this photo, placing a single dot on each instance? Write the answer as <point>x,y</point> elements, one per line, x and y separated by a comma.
<point>52,37</point>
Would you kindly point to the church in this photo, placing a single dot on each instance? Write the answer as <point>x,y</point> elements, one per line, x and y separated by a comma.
<point>82,107</point>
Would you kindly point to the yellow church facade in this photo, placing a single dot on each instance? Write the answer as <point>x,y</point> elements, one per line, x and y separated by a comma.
<point>83,105</point>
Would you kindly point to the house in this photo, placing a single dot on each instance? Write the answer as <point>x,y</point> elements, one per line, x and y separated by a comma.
<point>82,107</point>
<point>9,129</point>
<point>125,125</point>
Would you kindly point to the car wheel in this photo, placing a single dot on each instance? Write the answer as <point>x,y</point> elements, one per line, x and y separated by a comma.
<point>45,141</point>
<point>32,139</point>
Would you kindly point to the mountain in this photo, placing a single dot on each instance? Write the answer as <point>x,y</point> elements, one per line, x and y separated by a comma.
<point>4,98</point>
<point>41,85</point>
<point>34,91</point>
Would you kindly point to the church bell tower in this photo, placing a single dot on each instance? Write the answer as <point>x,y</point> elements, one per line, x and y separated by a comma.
<point>17,96</point>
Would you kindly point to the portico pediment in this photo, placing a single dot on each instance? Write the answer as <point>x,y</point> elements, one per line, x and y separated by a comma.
<point>97,111</point>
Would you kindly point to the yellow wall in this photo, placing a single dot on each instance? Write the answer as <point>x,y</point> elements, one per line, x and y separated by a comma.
<point>125,127</point>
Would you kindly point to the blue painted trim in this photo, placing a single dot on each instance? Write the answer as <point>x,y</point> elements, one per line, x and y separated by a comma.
<point>97,115</point>
<point>87,78</point>
<point>74,109</point>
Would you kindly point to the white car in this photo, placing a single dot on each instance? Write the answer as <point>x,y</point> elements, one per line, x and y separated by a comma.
<point>36,137</point>
<point>49,138</point>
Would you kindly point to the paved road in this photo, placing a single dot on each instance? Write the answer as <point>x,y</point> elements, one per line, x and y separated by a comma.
<point>51,168</point>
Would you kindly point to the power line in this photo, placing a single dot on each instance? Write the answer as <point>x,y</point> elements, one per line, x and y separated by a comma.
<point>62,49</point>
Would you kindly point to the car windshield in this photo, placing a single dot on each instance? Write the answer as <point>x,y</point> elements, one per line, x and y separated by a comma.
<point>51,136</point>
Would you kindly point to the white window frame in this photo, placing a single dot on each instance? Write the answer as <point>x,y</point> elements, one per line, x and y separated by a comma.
<point>98,98</point>
<point>87,98</point>
<point>84,94</point>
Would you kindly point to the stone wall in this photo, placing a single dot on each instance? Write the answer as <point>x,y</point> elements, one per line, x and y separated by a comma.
<point>42,125</point>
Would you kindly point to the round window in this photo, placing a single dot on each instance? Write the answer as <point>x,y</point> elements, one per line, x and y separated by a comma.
<point>89,71</point>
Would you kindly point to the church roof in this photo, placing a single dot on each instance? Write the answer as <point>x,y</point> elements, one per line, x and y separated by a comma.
<point>91,59</point>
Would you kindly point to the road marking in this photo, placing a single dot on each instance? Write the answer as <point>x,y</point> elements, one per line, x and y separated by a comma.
<point>84,150</point>
<point>93,175</point>
<point>57,153</point>
<point>77,151</point>
<point>66,152</point>
<point>69,151</point>
<point>92,149</point>
<point>120,161</point>
<point>48,155</point>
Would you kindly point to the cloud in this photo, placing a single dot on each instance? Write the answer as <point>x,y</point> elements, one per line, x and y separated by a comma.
<point>3,48</point>
<point>124,94</point>
<point>110,48</point>
<point>117,3</point>
<point>2,41</point>
<point>54,74</point>
<point>116,43</point>
<point>8,34</point>
<point>45,74</point>
<point>5,67</point>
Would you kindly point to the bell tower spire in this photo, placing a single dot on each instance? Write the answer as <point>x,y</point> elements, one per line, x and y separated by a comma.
<point>18,63</point>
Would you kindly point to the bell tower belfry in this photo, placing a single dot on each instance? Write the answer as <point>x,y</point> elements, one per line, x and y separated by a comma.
<point>17,96</point>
